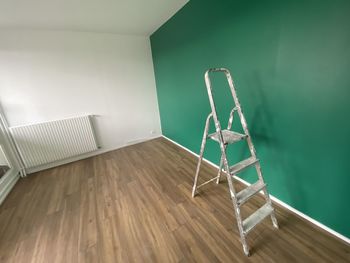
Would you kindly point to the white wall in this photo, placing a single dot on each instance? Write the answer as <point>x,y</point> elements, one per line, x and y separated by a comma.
<point>47,75</point>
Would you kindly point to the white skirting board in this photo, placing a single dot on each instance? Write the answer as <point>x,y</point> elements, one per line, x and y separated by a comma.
<point>313,221</point>
<point>88,155</point>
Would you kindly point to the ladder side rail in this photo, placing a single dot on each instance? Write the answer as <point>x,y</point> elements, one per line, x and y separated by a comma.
<point>212,106</point>
<point>216,121</point>
<point>266,194</point>
<point>240,113</point>
<point>225,162</point>
<point>250,143</point>
<point>230,120</point>
<point>229,126</point>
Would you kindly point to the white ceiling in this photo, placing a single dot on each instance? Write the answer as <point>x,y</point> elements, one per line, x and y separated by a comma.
<point>137,17</point>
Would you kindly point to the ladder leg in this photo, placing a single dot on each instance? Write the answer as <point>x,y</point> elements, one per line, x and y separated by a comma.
<point>220,167</point>
<point>204,140</point>
<point>266,195</point>
<point>234,201</point>
<point>197,170</point>
<point>219,172</point>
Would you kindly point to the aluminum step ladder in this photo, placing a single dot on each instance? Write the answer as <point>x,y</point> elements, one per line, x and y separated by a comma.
<point>224,138</point>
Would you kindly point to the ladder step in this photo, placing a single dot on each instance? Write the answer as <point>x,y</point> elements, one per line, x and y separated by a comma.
<point>228,136</point>
<point>248,192</point>
<point>255,218</point>
<point>238,167</point>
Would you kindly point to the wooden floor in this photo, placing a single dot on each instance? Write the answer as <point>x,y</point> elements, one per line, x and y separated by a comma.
<point>134,205</point>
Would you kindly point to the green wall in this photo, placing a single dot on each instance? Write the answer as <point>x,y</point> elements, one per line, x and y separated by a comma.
<point>291,64</point>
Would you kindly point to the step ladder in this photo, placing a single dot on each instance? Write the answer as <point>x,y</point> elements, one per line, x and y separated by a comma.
<point>224,138</point>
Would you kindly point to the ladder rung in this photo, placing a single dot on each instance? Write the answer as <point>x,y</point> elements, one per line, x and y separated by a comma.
<point>228,136</point>
<point>238,167</point>
<point>248,192</point>
<point>255,218</point>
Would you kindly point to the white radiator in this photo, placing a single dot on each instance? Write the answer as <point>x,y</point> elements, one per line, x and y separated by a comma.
<point>47,142</point>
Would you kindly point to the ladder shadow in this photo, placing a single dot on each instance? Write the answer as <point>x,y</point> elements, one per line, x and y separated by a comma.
<point>261,126</point>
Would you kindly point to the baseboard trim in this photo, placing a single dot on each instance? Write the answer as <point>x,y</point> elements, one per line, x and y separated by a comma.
<point>275,199</point>
<point>86,155</point>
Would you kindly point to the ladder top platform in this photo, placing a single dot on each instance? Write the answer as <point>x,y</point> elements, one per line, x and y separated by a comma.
<point>228,136</point>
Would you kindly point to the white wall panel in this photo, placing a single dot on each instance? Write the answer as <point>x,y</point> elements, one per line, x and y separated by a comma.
<point>48,75</point>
